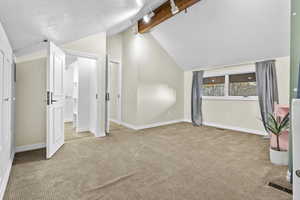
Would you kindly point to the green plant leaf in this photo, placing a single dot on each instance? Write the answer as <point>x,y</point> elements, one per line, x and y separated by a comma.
<point>277,126</point>
<point>285,122</point>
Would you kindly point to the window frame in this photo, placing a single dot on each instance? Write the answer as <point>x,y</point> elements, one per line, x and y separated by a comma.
<point>226,88</point>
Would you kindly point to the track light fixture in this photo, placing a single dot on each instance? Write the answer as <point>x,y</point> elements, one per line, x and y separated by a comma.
<point>174,8</point>
<point>148,17</point>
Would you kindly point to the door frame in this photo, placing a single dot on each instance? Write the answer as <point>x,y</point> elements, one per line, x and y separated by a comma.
<point>97,59</point>
<point>81,54</point>
<point>119,120</point>
<point>107,104</point>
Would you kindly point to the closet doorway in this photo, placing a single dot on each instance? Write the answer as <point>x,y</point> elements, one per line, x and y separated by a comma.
<point>80,85</point>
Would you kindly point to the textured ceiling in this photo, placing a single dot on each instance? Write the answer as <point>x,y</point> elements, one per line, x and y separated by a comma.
<point>224,32</point>
<point>28,22</point>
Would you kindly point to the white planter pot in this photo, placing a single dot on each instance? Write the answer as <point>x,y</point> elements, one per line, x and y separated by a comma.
<point>279,157</point>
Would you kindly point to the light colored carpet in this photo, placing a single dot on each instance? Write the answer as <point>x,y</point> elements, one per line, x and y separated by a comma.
<point>71,134</point>
<point>114,126</point>
<point>175,162</point>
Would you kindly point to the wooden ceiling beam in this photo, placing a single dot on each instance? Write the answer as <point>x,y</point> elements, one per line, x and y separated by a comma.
<point>163,13</point>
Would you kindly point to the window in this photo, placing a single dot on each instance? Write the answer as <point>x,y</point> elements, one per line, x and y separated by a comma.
<point>232,86</point>
<point>214,86</point>
<point>242,85</point>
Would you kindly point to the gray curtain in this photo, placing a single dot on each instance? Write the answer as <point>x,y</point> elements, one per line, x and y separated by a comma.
<point>197,98</point>
<point>267,88</point>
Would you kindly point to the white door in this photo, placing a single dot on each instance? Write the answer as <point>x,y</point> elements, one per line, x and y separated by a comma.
<point>107,95</point>
<point>5,110</point>
<point>55,99</point>
<point>296,147</point>
<point>7,103</point>
<point>115,92</point>
<point>2,160</point>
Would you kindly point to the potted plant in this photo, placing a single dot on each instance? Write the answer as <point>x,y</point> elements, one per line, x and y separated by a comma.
<point>276,126</point>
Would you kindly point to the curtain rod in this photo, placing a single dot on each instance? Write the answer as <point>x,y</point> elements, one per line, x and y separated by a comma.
<point>232,65</point>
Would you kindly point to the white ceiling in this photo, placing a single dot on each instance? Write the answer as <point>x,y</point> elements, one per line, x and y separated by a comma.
<point>28,22</point>
<point>224,32</point>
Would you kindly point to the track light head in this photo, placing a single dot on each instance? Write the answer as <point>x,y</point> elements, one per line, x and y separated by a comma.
<point>148,17</point>
<point>174,8</point>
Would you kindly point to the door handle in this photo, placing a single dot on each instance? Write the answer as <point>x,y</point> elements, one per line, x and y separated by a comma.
<point>298,173</point>
<point>51,98</point>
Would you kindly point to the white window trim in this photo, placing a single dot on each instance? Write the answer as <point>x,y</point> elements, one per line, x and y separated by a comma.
<point>226,88</point>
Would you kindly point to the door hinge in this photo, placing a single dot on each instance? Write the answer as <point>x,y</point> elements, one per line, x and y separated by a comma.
<point>107,98</point>
<point>48,98</point>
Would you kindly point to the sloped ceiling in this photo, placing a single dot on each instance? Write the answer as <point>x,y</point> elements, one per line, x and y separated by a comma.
<point>28,22</point>
<point>225,32</point>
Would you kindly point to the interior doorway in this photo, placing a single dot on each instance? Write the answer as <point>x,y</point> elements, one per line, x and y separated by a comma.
<point>72,99</point>
<point>80,97</point>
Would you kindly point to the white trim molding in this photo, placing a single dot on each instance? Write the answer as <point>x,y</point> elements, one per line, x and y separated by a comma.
<point>80,54</point>
<point>245,130</point>
<point>130,126</point>
<point>234,128</point>
<point>81,130</point>
<point>115,121</point>
<point>151,125</point>
<point>5,179</point>
<point>30,147</point>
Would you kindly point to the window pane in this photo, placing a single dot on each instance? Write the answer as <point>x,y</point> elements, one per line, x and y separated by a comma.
<point>214,86</point>
<point>242,85</point>
<point>213,90</point>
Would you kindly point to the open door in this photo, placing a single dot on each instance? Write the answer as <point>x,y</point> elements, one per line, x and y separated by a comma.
<point>107,95</point>
<point>55,99</point>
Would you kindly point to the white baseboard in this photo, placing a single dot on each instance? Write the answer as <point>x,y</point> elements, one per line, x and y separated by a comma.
<point>150,125</point>
<point>245,130</point>
<point>115,121</point>
<point>30,147</point>
<point>130,126</point>
<point>288,176</point>
<point>79,130</point>
<point>234,128</point>
<point>5,178</point>
<point>101,135</point>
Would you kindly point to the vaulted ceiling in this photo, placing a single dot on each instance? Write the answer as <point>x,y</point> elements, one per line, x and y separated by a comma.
<point>211,33</point>
<point>224,32</point>
<point>28,22</point>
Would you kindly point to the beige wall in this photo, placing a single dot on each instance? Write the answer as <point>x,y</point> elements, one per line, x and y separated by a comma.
<point>152,82</point>
<point>241,114</point>
<point>31,90</point>
<point>114,47</point>
<point>95,44</point>
<point>30,104</point>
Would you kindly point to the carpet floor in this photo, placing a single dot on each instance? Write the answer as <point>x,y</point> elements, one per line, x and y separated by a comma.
<point>71,134</point>
<point>175,162</point>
